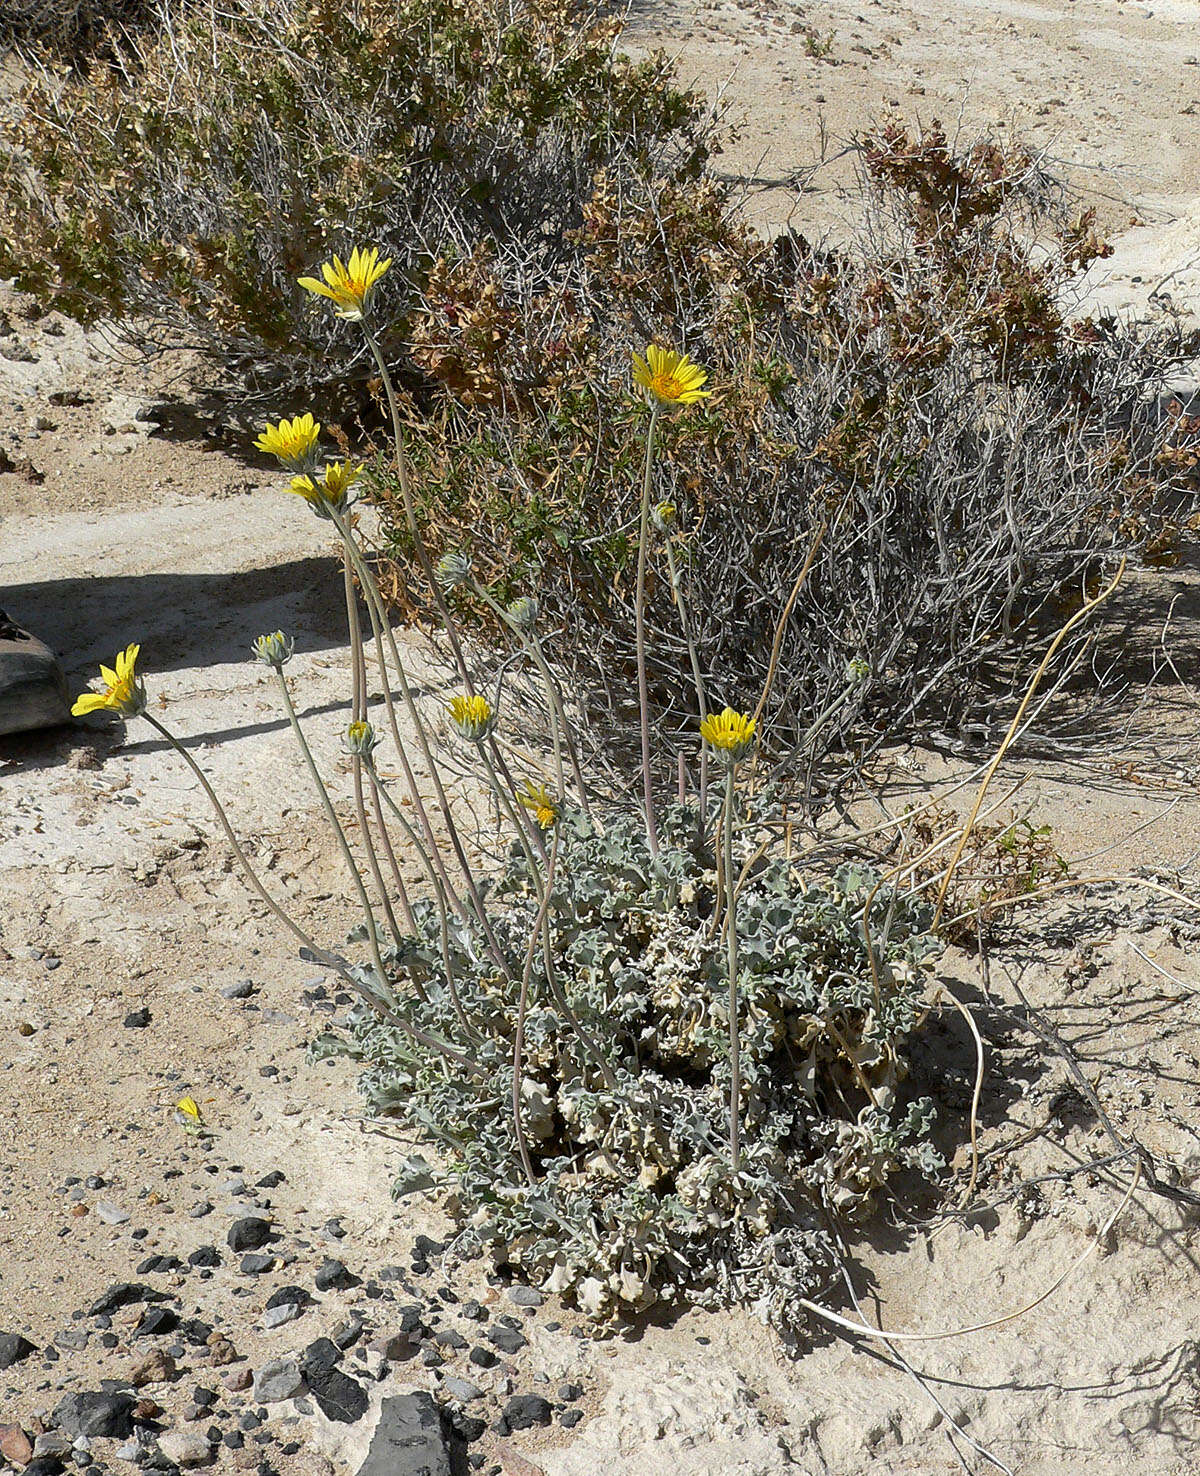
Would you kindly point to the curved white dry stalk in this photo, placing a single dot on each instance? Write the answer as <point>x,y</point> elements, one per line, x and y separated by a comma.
<point>863,1330</point>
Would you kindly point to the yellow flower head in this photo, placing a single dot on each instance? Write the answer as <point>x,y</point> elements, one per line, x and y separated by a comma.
<point>350,285</point>
<point>293,442</point>
<point>540,803</point>
<point>189,1117</point>
<point>329,493</point>
<point>122,691</point>
<point>670,377</point>
<point>729,734</point>
<point>473,717</point>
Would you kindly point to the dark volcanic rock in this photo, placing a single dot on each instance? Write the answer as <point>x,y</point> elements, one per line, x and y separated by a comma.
<point>249,1234</point>
<point>341,1398</point>
<point>123,1294</point>
<point>13,1348</point>
<point>110,1415</point>
<point>524,1410</point>
<point>334,1276</point>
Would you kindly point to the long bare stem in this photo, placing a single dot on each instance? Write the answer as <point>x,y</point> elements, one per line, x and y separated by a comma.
<point>358,708</point>
<point>542,890</point>
<point>522,1010</point>
<point>405,479</point>
<point>640,635</point>
<point>332,961</point>
<point>235,845</point>
<point>339,833</point>
<point>379,622</point>
<point>735,1060</point>
<point>697,674</point>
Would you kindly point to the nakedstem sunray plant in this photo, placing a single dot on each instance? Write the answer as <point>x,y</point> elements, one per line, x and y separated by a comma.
<point>648,1073</point>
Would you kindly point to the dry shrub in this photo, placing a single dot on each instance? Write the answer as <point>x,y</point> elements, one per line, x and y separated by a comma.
<point>918,411</point>
<point>72,28</point>
<point>915,416</point>
<point>185,185</point>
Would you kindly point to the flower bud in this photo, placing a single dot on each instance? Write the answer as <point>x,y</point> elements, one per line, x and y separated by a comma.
<point>274,649</point>
<point>523,612</point>
<point>453,569</point>
<point>858,669</point>
<point>662,515</point>
<point>361,738</point>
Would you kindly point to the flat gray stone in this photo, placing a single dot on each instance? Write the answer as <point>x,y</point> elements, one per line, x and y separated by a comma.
<point>185,1448</point>
<point>277,1380</point>
<point>33,687</point>
<point>461,1389</point>
<point>410,1439</point>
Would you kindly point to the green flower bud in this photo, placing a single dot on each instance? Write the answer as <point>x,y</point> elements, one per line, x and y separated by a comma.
<point>274,649</point>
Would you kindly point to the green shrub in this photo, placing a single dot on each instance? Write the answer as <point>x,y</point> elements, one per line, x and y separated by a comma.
<point>635,1198</point>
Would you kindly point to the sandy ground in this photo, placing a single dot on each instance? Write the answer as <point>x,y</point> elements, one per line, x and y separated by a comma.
<point>122,522</point>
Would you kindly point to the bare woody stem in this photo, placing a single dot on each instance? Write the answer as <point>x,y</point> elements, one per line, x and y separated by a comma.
<point>640,636</point>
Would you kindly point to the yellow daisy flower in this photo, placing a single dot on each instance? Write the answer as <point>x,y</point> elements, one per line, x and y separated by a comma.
<point>670,377</point>
<point>329,492</point>
<point>473,717</point>
<point>350,285</point>
<point>122,691</point>
<point>293,442</point>
<point>729,734</point>
<point>540,803</point>
<point>187,1113</point>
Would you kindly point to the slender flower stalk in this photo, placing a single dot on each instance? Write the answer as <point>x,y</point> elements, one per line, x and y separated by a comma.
<point>380,791</point>
<point>382,631</point>
<point>542,889</point>
<point>522,1011</point>
<point>358,710</point>
<point>640,635</point>
<point>560,729</point>
<point>235,845</point>
<point>694,658</point>
<point>410,516</point>
<point>340,835</point>
<point>735,1063</point>
<point>731,737</point>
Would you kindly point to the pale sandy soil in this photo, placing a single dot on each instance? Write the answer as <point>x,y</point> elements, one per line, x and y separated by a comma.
<point>111,865</point>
